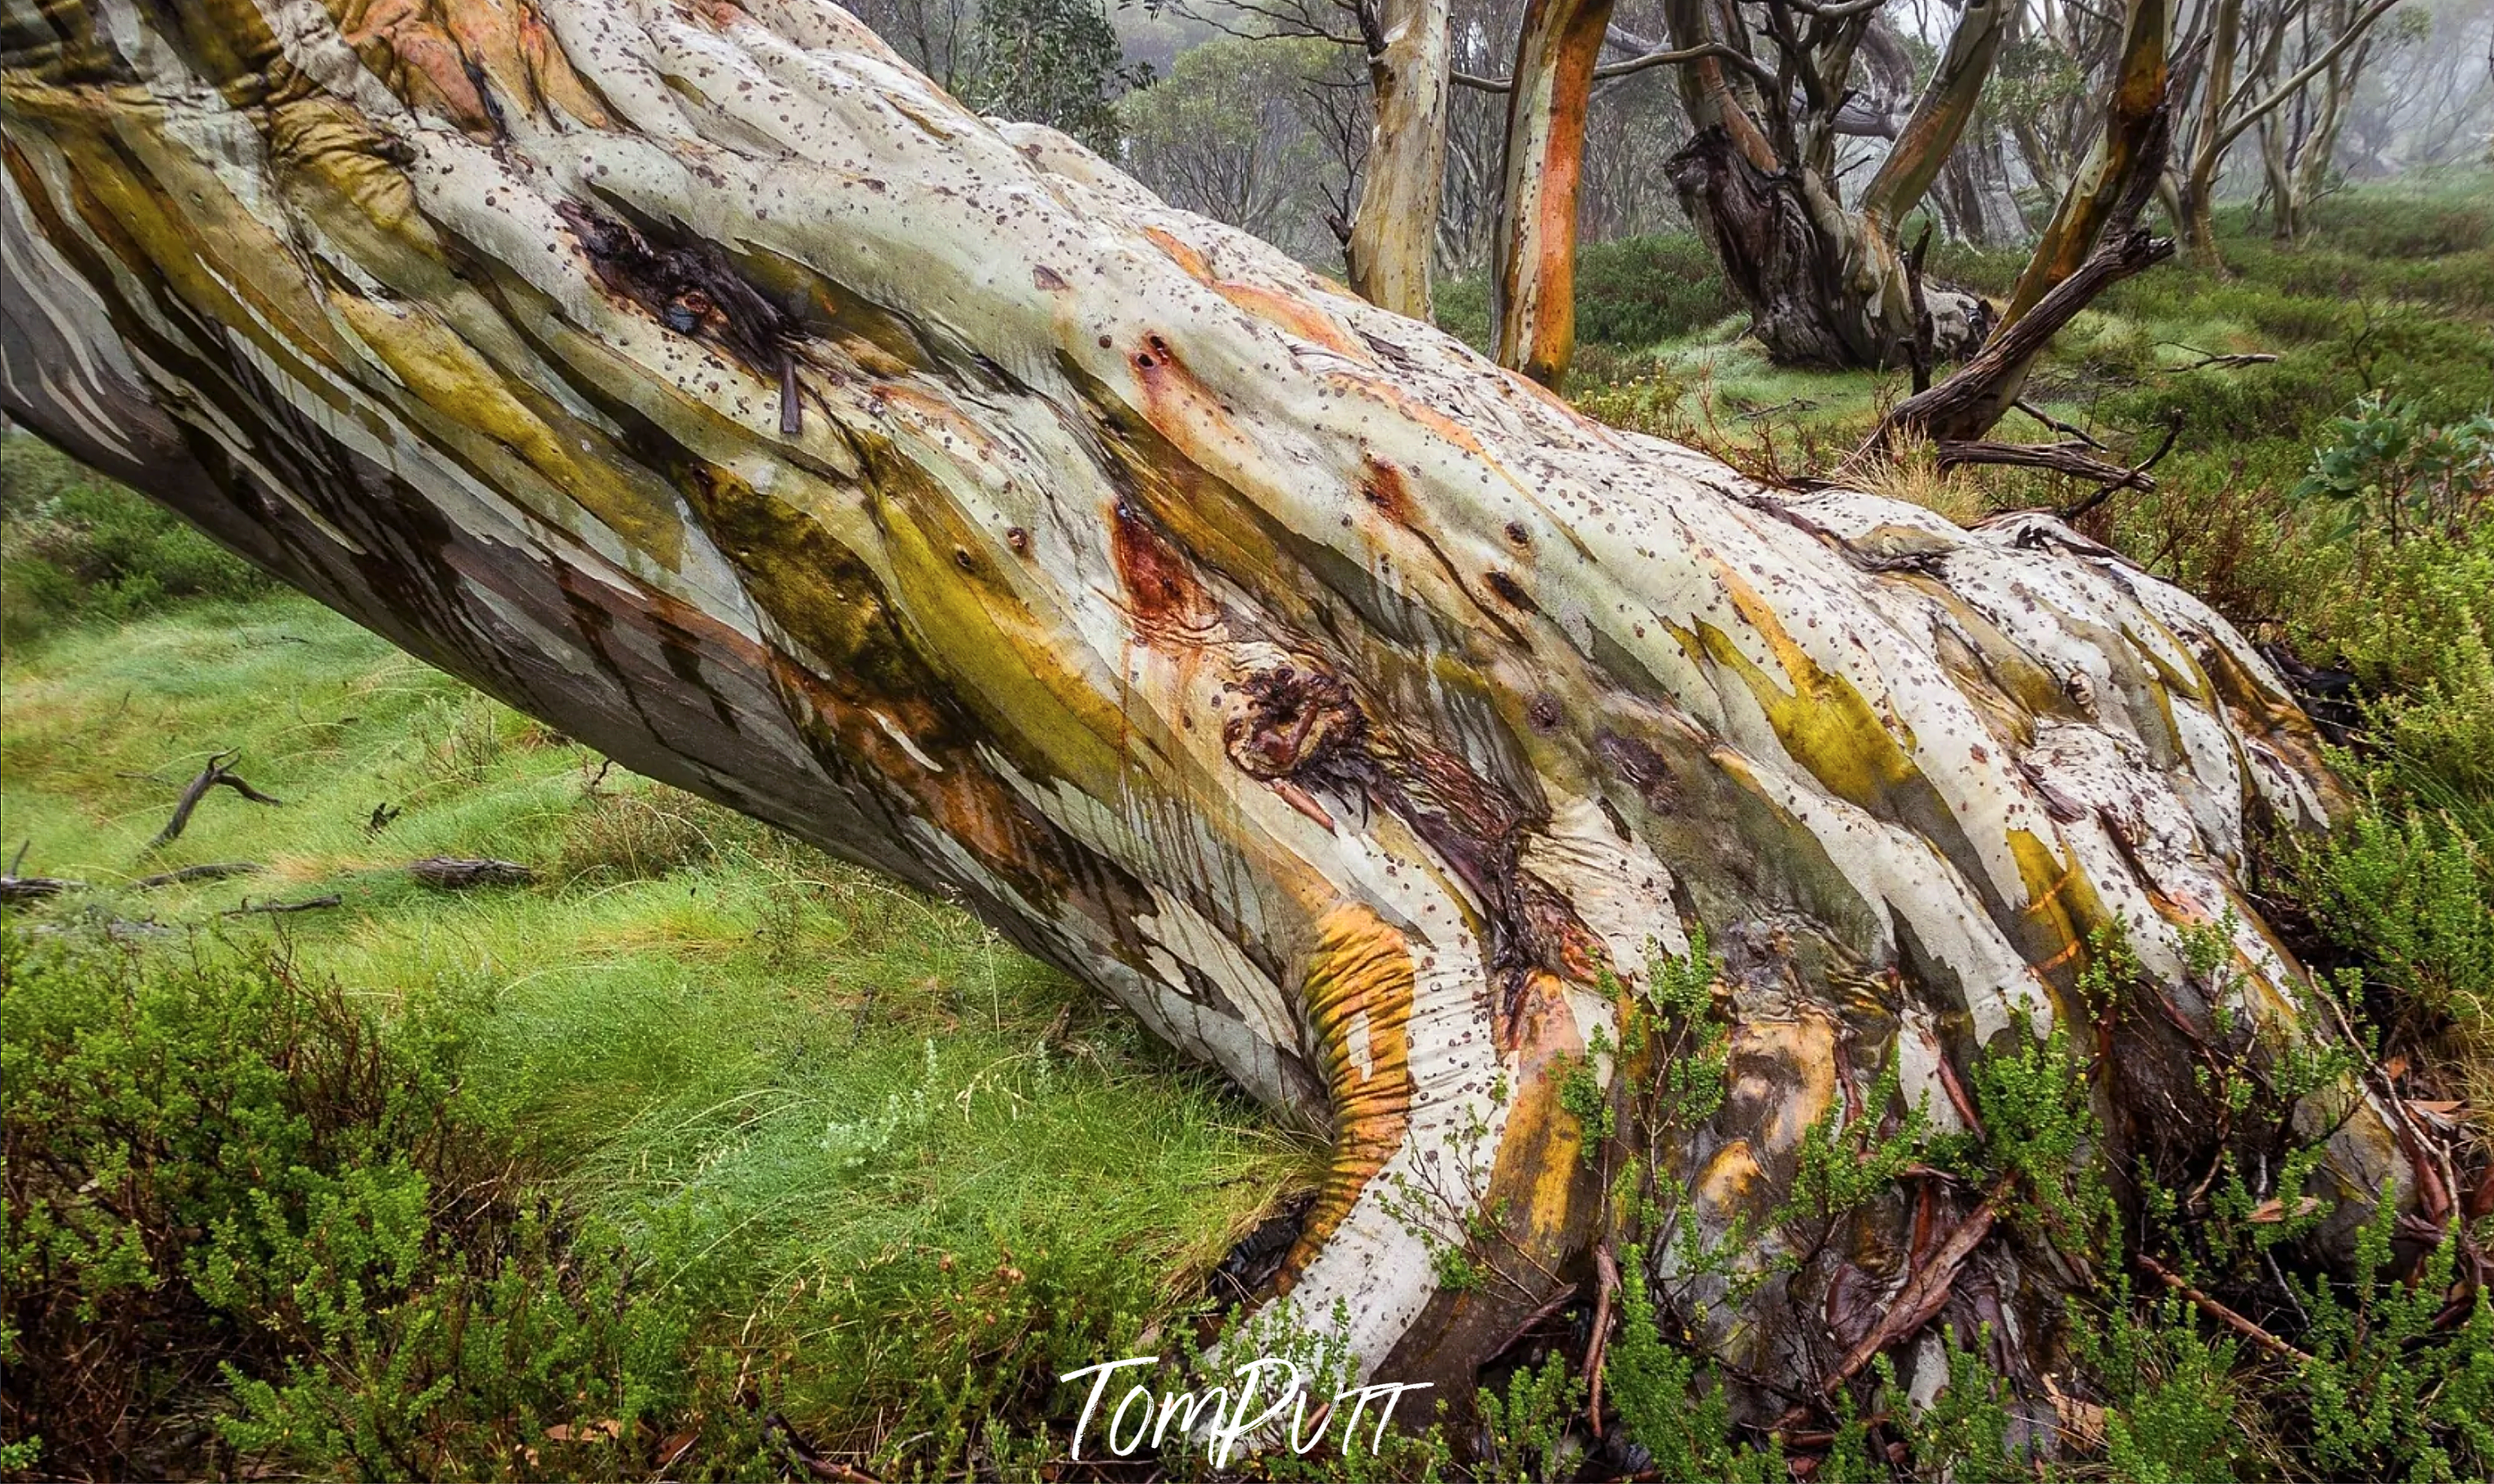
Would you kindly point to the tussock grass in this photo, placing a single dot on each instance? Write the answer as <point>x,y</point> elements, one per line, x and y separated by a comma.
<point>843,1131</point>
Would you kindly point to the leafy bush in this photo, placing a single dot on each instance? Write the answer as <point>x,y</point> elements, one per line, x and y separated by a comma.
<point>1638,291</point>
<point>2413,893</point>
<point>225,1177</point>
<point>74,545</point>
<point>2384,463</point>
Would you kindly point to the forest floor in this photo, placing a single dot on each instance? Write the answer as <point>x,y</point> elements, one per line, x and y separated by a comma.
<point>703,1155</point>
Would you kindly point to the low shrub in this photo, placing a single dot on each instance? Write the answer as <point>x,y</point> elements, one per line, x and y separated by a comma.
<point>75,545</point>
<point>248,1226</point>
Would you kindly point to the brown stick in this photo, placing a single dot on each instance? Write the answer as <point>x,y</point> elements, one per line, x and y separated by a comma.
<point>15,889</point>
<point>2221,1314</point>
<point>450,873</point>
<point>217,871</point>
<point>2133,478</point>
<point>1607,1273</point>
<point>2072,430</point>
<point>1922,1297</point>
<point>2228,362</point>
<point>218,772</point>
<point>308,905</point>
<point>2062,458</point>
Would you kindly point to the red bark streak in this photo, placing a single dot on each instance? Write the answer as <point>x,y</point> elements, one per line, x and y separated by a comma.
<point>1554,79</point>
<point>1167,601</point>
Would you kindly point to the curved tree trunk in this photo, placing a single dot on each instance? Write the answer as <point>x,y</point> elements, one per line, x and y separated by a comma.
<point>1394,232</point>
<point>2110,176</point>
<point>707,384</point>
<point>1533,260</point>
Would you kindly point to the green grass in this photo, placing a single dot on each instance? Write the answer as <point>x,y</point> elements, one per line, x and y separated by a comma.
<point>844,1130</point>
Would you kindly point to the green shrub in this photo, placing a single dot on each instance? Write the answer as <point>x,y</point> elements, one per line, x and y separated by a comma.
<point>1630,295</point>
<point>2416,898</point>
<point>2382,462</point>
<point>1638,291</point>
<point>74,545</point>
<point>233,1192</point>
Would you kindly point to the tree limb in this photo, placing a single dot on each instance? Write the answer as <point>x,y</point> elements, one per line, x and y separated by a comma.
<point>1715,50</point>
<point>2295,82</point>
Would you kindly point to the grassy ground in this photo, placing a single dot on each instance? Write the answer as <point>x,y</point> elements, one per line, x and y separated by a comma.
<point>841,1129</point>
<point>704,1156</point>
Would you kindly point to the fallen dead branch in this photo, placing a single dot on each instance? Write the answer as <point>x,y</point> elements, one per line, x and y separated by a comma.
<point>1607,1273</point>
<point>2213,361</point>
<point>219,772</point>
<point>2133,478</point>
<point>215,871</point>
<point>452,873</point>
<point>1974,396</point>
<point>2068,457</point>
<point>17,889</point>
<point>1924,1292</point>
<point>250,908</point>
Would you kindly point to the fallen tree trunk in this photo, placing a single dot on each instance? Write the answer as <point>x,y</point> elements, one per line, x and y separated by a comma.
<point>1365,720</point>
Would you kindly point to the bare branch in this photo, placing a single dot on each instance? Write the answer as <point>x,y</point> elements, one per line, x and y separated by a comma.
<point>1604,73</point>
<point>2294,84</point>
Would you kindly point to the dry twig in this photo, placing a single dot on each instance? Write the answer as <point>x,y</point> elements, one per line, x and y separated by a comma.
<point>220,770</point>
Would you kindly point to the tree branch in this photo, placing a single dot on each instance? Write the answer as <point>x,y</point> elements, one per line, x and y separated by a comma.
<point>1605,72</point>
<point>2294,84</point>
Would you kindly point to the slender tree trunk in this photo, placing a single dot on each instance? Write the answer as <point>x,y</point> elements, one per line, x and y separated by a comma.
<point>1394,232</point>
<point>1367,722</point>
<point>2277,176</point>
<point>1948,102</point>
<point>2113,166</point>
<point>2205,152</point>
<point>1533,257</point>
<point>2320,151</point>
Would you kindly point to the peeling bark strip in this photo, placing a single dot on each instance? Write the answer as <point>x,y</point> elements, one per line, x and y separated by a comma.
<point>1340,705</point>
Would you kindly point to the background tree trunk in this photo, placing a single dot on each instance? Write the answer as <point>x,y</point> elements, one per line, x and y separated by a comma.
<point>1394,232</point>
<point>2128,143</point>
<point>1534,256</point>
<point>1362,718</point>
<point>1826,284</point>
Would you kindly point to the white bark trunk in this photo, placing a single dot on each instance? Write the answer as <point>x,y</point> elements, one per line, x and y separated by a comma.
<point>1394,232</point>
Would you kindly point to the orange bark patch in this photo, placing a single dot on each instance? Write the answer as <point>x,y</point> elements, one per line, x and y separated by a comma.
<point>1286,312</point>
<point>1181,253</point>
<point>406,48</point>
<point>1358,998</point>
<point>1542,1193</point>
<point>1293,315</point>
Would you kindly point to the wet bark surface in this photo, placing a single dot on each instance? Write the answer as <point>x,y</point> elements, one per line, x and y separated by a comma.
<point>705,382</point>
